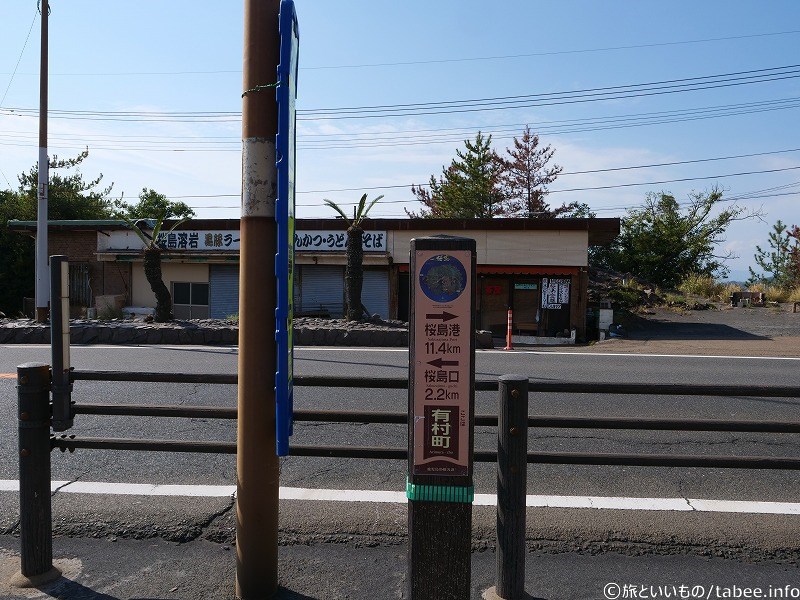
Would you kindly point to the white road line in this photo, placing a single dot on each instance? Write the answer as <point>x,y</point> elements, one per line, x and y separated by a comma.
<point>551,353</point>
<point>351,349</point>
<point>396,497</point>
<point>363,349</point>
<point>637,354</point>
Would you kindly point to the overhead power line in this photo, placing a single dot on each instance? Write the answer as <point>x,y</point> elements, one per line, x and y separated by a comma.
<point>554,98</point>
<point>546,53</point>
<point>578,126</point>
<point>680,162</point>
<point>411,137</point>
<point>22,52</point>
<point>452,106</point>
<point>400,186</point>
<point>723,77</point>
<point>539,126</point>
<point>447,60</point>
<point>584,189</point>
<point>601,209</point>
<point>416,137</point>
<point>681,180</point>
<point>11,79</point>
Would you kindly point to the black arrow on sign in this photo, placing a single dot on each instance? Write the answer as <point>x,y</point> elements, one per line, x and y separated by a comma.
<point>444,316</point>
<point>439,363</point>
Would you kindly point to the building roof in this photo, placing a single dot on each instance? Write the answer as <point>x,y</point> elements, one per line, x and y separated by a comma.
<point>77,225</point>
<point>601,231</point>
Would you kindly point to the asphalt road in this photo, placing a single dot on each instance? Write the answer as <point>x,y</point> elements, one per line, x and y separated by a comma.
<point>182,518</point>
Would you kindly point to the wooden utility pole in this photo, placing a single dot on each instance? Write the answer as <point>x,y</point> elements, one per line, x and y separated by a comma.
<point>257,467</point>
<point>42,273</point>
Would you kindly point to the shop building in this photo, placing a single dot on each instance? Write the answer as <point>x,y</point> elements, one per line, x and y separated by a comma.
<point>535,267</point>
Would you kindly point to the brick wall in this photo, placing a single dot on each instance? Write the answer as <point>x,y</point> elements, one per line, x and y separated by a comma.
<point>81,246</point>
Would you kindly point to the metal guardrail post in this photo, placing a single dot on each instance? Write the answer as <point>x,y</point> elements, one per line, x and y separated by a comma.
<point>512,478</point>
<point>36,526</point>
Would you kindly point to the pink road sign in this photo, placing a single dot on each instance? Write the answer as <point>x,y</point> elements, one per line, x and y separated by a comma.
<point>442,362</point>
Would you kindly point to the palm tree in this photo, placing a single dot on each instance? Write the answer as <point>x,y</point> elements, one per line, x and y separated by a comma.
<point>152,262</point>
<point>354,271</point>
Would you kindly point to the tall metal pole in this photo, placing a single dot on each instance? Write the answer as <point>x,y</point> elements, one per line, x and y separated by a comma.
<point>42,273</point>
<point>256,460</point>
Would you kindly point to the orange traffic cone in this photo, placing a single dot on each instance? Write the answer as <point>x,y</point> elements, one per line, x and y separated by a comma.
<point>508,332</point>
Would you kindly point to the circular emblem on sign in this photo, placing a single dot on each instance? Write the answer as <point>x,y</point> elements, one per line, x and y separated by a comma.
<point>442,278</point>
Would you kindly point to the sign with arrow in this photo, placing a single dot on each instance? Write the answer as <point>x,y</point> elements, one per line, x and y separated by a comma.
<point>443,316</point>
<point>442,359</point>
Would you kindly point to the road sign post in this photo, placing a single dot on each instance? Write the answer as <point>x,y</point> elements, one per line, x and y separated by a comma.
<point>441,420</point>
<point>285,95</point>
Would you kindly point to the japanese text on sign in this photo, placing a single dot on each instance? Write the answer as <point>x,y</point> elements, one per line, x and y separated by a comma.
<point>555,293</point>
<point>199,240</point>
<point>329,241</point>
<point>442,363</point>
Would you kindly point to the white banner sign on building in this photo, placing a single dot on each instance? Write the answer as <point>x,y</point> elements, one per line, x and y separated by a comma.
<point>331,241</point>
<point>199,240</point>
<point>555,293</point>
<point>228,240</point>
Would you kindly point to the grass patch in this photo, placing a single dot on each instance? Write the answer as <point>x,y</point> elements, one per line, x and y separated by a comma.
<point>775,293</point>
<point>707,287</point>
<point>109,313</point>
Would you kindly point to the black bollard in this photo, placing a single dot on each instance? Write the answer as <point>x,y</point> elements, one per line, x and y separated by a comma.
<point>512,478</point>
<point>36,526</point>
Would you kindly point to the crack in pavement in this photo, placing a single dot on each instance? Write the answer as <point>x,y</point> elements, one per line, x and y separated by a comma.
<point>14,526</point>
<point>685,497</point>
<point>195,388</point>
<point>61,487</point>
<point>203,527</point>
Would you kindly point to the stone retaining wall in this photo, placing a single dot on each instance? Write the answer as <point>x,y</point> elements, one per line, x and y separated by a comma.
<point>202,332</point>
<point>307,332</point>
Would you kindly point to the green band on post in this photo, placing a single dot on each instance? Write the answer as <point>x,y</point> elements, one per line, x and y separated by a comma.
<point>440,493</point>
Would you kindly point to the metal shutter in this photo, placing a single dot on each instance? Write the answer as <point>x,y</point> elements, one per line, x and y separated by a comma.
<point>375,293</point>
<point>223,291</point>
<point>321,290</point>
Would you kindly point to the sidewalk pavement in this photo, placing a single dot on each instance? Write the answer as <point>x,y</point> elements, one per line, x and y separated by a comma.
<point>111,569</point>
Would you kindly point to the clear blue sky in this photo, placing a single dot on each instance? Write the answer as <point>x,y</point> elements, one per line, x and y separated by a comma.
<point>154,59</point>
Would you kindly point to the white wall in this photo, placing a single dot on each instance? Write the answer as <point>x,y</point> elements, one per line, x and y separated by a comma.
<point>142,295</point>
<point>539,248</point>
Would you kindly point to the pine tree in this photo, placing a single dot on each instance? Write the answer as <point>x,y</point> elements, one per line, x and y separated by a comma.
<point>780,260</point>
<point>469,188</point>
<point>526,175</point>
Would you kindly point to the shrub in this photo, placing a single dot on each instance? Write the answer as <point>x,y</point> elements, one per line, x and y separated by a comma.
<point>672,299</point>
<point>727,291</point>
<point>109,312</point>
<point>775,293</point>
<point>625,297</point>
<point>704,286</point>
